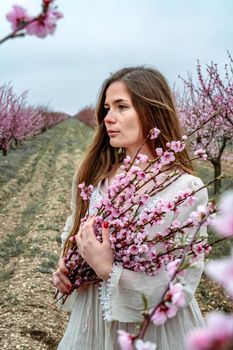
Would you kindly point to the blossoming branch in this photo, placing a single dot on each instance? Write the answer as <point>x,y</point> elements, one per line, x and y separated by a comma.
<point>42,25</point>
<point>132,243</point>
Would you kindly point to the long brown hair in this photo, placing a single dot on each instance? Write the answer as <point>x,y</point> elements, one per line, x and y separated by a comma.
<point>152,98</point>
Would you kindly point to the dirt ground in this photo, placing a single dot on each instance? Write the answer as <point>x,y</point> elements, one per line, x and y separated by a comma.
<point>35,184</point>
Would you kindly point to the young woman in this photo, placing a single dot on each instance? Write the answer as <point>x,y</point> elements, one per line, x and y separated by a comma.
<point>132,101</point>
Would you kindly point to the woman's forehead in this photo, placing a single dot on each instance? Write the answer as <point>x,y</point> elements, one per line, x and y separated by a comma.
<point>117,92</point>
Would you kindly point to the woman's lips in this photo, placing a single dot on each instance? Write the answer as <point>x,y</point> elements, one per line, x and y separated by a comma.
<point>113,133</point>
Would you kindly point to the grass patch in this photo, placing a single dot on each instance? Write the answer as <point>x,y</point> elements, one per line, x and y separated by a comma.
<point>48,264</point>
<point>11,246</point>
<point>6,274</point>
<point>52,226</point>
<point>31,209</point>
<point>49,226</point>
<point>61,199</point>
<point>32,251</point>
<point>58,239</point>
<point>68,167</point>
<point>22,179</point>
<point>9,298</point>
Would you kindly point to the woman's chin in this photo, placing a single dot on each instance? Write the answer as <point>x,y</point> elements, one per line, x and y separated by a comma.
<point>114,143</point>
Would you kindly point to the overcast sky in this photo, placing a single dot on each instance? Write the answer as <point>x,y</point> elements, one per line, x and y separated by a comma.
<point>65,71</point>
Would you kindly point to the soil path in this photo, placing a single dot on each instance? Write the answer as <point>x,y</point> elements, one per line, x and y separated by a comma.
<point>34,206</point>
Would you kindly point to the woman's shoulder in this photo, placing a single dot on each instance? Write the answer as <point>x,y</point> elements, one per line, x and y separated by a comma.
<point>186,181</point>
<point>191,180</point>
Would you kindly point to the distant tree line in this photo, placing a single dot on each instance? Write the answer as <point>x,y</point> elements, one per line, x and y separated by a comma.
<point>19,120</point>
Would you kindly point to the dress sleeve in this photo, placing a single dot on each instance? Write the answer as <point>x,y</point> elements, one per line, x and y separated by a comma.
<point>121,294</point>
<point>70,219</point>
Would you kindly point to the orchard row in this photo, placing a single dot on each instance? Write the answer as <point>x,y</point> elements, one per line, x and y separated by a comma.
<point>19,120</point>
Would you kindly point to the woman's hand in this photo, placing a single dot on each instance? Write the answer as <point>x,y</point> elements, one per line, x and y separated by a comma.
<point>60,279</point>
<point>98,255</point>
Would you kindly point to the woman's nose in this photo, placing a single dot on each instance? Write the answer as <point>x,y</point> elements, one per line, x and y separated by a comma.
<point>110,117</point>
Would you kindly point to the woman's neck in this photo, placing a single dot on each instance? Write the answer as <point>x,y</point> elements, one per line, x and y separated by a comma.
<point>144,150</point>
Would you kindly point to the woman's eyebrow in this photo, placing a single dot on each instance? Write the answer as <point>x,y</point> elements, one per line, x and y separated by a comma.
<point>117,101</point>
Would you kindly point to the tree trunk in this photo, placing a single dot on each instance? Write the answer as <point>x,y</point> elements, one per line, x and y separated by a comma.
<point>4,152</point>
<point>217,172</point>
<point>217,165</point>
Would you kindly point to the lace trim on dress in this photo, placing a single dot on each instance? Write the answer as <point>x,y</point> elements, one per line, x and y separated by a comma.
<point>106,290</point>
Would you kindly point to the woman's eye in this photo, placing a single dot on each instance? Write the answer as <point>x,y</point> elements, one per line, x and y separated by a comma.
<point>122,107</point>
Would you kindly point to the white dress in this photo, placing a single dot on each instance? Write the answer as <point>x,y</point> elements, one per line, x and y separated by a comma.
<point>99,311</point>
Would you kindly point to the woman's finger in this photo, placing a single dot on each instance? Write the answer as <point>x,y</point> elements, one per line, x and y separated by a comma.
<point>62,266</point>
<point>60,276</point>
<point>89,228</point>
<point>78,238</point>
<point>61,282</point>
<point>105,232</point>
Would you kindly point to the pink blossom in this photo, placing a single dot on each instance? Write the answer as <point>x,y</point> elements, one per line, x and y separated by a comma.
<point>154,133</point>
<point>17,16</point>
<point>141,345</point>
<point>175,224</point>
<point>167,157</point>
<point>208,249</point>
<point>156,168</point>
<point>163,313</point>
<point>177,146</point>
<point>143,248</point>
<point>82,185</point>
<point>222,272</point>
<point>174,299</point>
<point>172,266</point>
<point>45,24</point>
<point>78,282</point>
<point>217,335</point>
<point>181,195</point>
<point>223,222</point>
<point>198,248</point>
<point>159,151</point>
<point>177,294</point>
<point>133,249</point>
<point>141,158</point>
<point>191,200</point>
<point>167,206</point>
<point>141,175</point>
<point>143,198</point>
<point>134,169</point>
<point>125,340</point>
<point>201,153</point>
<point>200,214</point>
<point>86,191</point>
<point>127,160</point>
